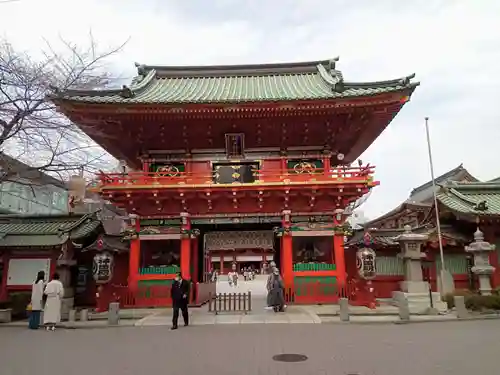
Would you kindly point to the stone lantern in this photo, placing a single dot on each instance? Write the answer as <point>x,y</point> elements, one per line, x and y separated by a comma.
<point>416,290</point>
<point>411,245</point>
<point>480,250</point>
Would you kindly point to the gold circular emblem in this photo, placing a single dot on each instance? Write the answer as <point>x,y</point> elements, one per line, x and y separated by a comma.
<point>167,171</point>
<point>304,167</point>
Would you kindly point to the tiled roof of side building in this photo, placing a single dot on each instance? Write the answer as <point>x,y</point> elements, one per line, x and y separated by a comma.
<point>459,172</point>
<point>45,230</point>
<point>14,168</point>
<point>473,198</point>
<point>313,80</point>
<point>414,201</point>
<point>388,237</point>
<point>408,205</point>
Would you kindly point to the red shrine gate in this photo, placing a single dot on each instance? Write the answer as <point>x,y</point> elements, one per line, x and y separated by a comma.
<point>258,147</point>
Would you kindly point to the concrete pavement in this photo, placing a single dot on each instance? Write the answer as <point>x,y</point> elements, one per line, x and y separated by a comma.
<point>438,349</point>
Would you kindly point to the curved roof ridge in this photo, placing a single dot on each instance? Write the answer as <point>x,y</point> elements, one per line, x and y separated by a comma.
<point>235,69</point>
<point>403,81</point>
<point>473,185</point>
<point>335,80</point>
<point>461,196</point>
<point>443,178</point>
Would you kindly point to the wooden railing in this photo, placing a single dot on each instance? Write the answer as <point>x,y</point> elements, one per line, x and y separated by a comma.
<point>263,176</point>
<point>230,302</point>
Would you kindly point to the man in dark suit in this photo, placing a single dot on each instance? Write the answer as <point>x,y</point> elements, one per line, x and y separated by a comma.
<point>180,300</point>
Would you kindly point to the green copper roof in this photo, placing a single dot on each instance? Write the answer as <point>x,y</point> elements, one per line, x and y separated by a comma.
<point>39,231</point>
<point>387,237</point>
<point>476,198</point>
<point>237,84</point>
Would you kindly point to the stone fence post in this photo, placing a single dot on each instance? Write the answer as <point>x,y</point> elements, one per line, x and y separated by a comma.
<point>344,309</point>
<point>114,314</point>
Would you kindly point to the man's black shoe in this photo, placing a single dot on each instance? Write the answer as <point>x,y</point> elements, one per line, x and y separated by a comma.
<point>186,324</point>
<point>173,328</point>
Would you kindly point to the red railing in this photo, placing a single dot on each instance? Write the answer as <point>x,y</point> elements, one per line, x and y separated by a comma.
<point>320,293</point>
<point>157,295</point>
<point>201,292</point>
<point>143,297</point>
<point>345,175</point>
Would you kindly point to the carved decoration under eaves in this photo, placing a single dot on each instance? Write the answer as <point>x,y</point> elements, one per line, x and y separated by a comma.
<point>234,240</point>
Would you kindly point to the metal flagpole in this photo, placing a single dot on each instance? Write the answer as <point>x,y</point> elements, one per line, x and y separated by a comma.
<point>438,224</point>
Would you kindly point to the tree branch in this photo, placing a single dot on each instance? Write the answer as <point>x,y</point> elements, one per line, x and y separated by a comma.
<point>30,127</point>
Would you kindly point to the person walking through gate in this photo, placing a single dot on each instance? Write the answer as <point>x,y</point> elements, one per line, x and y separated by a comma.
<point>276,288</point>
<point>180,300</point>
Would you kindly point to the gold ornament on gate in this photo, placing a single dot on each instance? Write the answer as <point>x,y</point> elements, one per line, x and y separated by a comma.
<point>168,170</point>
<point>304,167</point>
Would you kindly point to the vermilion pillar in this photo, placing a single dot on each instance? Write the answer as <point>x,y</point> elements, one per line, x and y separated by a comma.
<point>185,246</point>
<point>134,255</point>
<point>326,165</point>
<point>194,247</point>
<point>338,248</point>
<point>286,251</point>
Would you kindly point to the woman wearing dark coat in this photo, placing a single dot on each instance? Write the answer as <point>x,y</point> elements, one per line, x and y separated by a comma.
<point>276,297</point>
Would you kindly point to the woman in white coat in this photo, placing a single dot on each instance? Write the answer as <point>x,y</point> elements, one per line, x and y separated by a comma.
<point>54,292</point>
<point>37,301</point>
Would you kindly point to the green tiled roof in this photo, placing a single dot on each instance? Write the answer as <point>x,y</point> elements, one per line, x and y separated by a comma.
<point>475,198</point>
<point>237,84</point>
<point>39,231</point>
<point>387,237</point>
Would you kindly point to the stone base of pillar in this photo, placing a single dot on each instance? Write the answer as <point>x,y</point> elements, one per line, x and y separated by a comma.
<point>484,284</point>
<point>414,286</point>
<point>67,304</point>
<point>419,303</point>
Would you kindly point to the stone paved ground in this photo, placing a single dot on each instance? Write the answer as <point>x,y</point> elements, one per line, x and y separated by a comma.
<point>429,348</point>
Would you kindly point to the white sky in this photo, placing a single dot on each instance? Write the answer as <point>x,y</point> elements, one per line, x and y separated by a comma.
<point>452,45</point>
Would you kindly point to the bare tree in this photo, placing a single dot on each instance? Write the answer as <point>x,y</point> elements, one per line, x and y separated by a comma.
<point>31,129</point>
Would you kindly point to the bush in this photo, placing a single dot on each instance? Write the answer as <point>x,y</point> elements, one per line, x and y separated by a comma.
<point>450,301</point>
<point>474,301</point>
<point>479,303</point>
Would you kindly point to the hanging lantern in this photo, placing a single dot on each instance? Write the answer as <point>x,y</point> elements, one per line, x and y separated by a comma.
<point>365,262</point>
<point>102,269</point>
